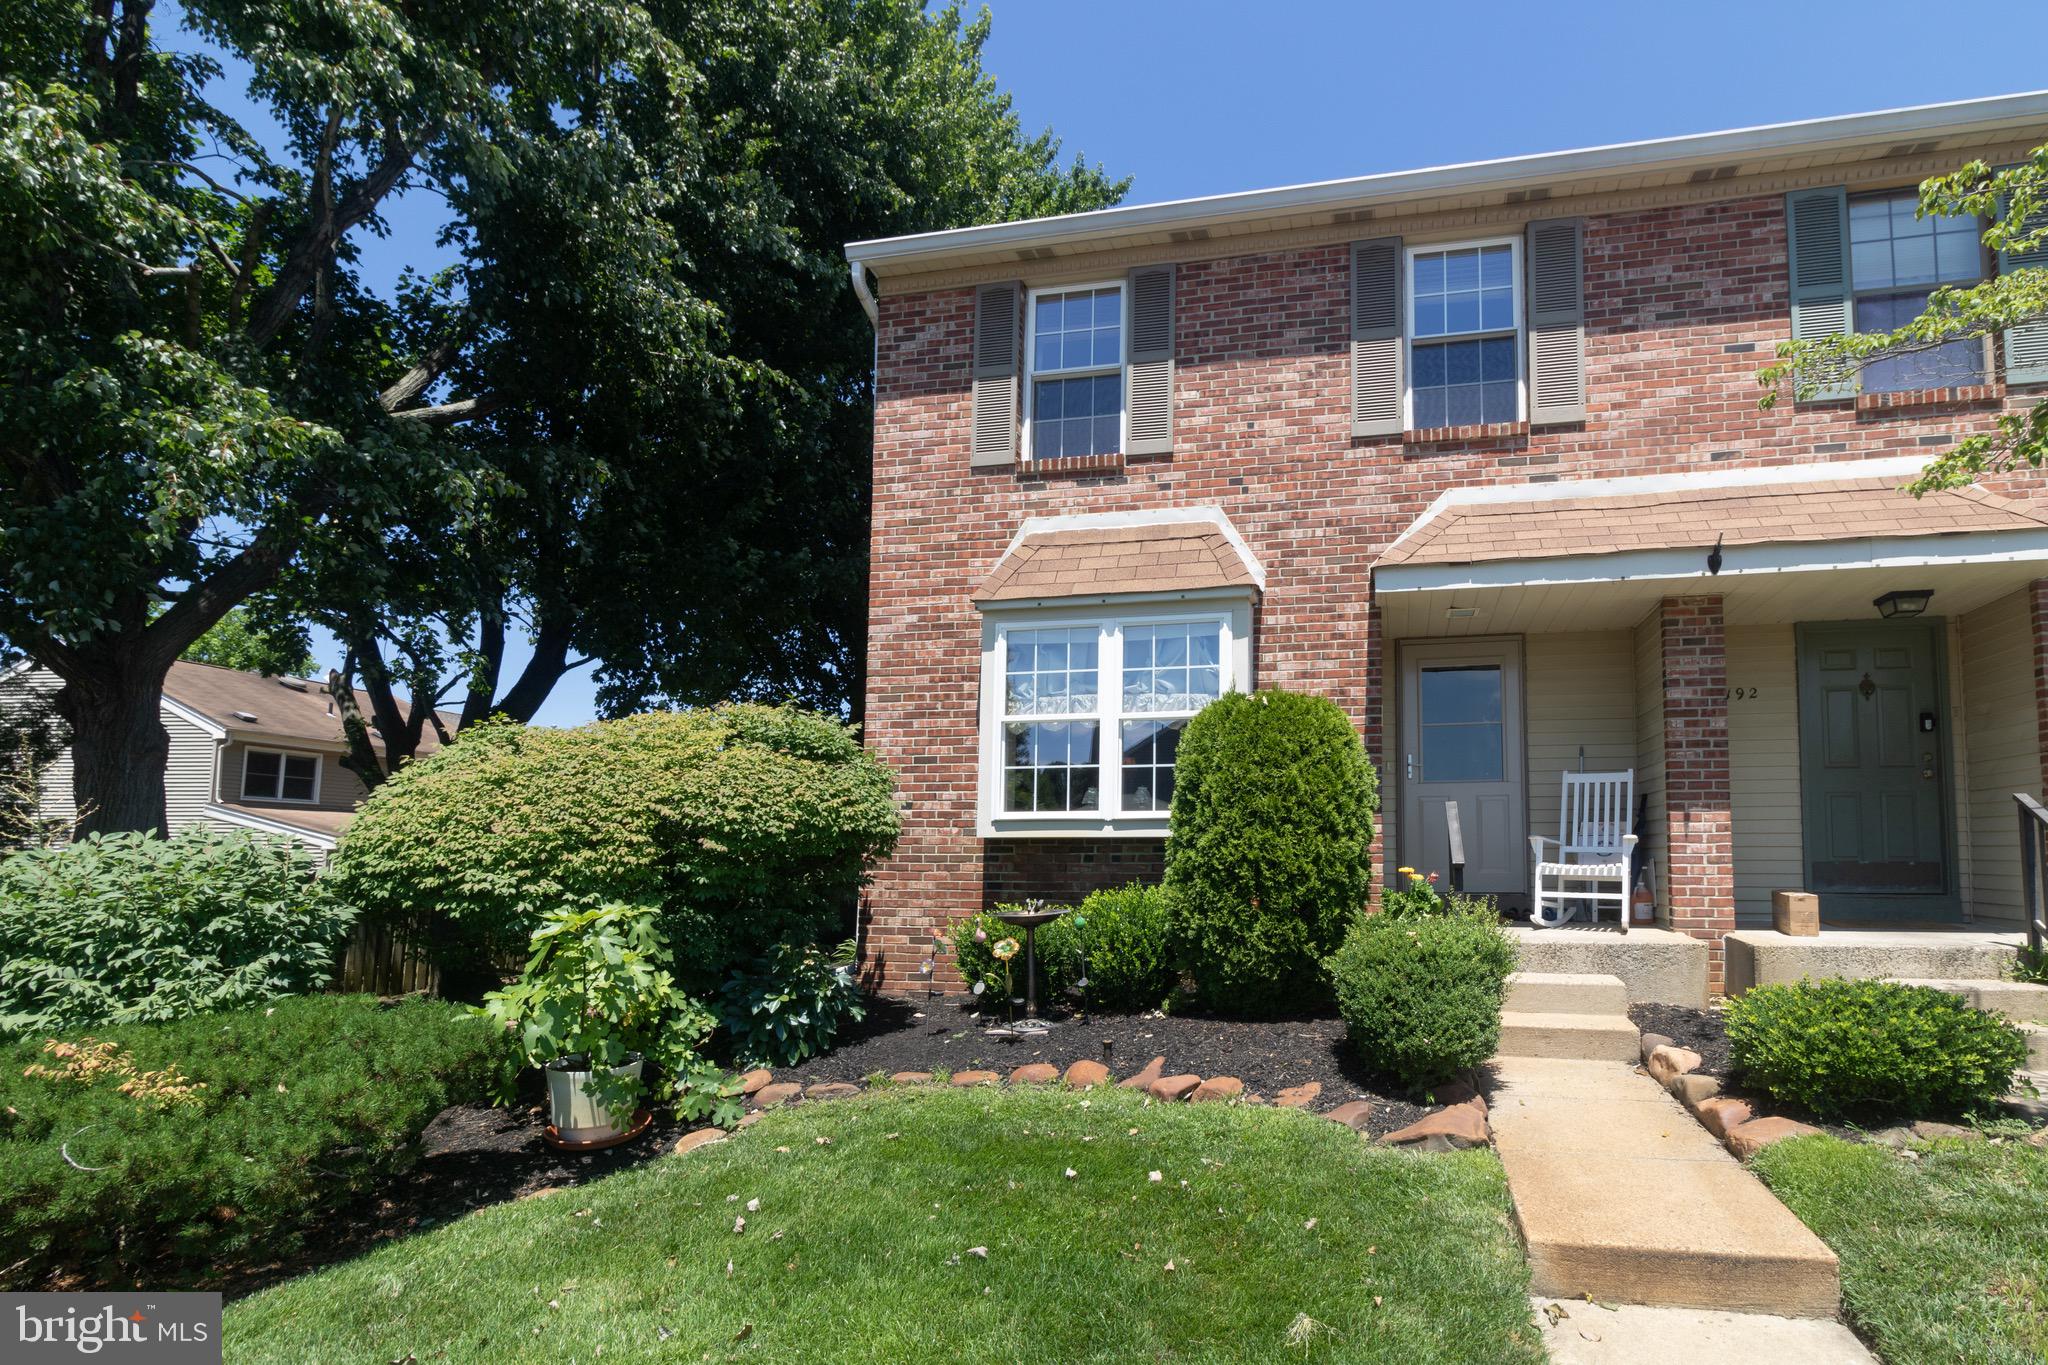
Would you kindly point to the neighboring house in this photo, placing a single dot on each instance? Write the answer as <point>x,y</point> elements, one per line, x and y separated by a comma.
<point>1475,451</point>
<point>247,752</point>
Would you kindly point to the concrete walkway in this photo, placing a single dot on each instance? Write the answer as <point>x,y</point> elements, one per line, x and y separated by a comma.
<point>1621,1194</point>
<point>1626,1334</point>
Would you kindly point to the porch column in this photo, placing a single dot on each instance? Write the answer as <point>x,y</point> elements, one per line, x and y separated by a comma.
<point>2038,591</point>
<point>1699,829</point>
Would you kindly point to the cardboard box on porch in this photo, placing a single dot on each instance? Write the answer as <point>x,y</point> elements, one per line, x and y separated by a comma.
<point>1796,913</point>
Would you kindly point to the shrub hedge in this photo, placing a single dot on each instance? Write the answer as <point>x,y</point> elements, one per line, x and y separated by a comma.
<point>1421,996</point>
<point>126,928</point>
<point>218,1135</point>
<point>1871,1050</point>
<point>1125,933</point>
<point>1270,846</point>
<point>748,826</point>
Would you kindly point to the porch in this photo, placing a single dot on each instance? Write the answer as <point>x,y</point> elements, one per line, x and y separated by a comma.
<point>1724,638</point>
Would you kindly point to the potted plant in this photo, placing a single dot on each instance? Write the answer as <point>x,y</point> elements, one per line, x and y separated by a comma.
<point>597,1011</point>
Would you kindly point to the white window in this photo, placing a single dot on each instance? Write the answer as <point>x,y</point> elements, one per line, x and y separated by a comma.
<point>1464,334</point>
<point>1074,402</point>
<point>270,775</point>
<point>1896,259</point>
<point>1086,716</point>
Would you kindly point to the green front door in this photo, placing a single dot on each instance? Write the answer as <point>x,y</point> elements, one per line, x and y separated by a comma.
<point>1873,763</point>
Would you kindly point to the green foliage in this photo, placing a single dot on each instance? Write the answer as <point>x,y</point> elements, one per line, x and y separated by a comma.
<point>597,990</point>
<point>290,1112</point>
<point>976,941</point>
<point>748,826</point>
<point>2014,201</point>
<point>124,928</point>
<point>1869,1050</point>
<point>1415,896</point>
<point>1126,940</point>
<point>2031,965</point>
<point>790,1006</point>
<point>1421,997</point>
<point>1270,849</point>
<point>241,640</point>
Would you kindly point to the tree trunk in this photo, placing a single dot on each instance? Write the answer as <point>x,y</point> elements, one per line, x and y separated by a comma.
<point>118,751</point>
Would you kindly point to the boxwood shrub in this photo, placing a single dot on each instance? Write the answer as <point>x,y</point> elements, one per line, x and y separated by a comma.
<point>1421,997</point>
<point>217,1136</point>
<point>1120,937</point>
<point>748,825</point>
<point>1871,1050</point>
<point>1269,850</point>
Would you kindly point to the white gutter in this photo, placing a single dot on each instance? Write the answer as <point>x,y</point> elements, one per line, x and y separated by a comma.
<point>863,293</point>
<point>1809,136</point>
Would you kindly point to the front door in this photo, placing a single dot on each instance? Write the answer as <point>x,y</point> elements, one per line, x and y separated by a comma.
<point>1873,764</point>
<point>1461,745</point>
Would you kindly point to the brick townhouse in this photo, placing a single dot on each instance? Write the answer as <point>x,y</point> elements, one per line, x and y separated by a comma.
<point>1477,452</point>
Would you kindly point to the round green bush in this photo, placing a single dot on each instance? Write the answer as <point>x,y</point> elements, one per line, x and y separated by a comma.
<point>1870,1050</point>
<point>1421,998</point>
<point>1270,847</point>
<point>124,928</point>
<point>1125,937</point>
<point>748,825</point>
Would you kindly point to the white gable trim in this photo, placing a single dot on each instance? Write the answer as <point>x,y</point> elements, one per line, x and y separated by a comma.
<point>257,822</point>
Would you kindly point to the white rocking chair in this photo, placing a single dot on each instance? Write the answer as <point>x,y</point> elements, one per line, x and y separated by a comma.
<point>1596,852</point>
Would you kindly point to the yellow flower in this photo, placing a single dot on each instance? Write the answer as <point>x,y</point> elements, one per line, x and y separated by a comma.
<point>1405,871</point>
<point>1005,949</point>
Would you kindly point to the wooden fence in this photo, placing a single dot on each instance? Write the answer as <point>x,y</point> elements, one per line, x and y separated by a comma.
<point>379,962</point>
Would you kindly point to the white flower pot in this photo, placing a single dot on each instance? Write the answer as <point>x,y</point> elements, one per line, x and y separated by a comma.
<point>577,1116</point>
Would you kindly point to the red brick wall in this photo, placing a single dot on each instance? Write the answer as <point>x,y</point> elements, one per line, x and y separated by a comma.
<point>1699,823</point>
<point>1684,304</point>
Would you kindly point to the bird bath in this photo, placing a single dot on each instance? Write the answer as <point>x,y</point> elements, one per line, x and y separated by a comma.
<point>1028,921</point>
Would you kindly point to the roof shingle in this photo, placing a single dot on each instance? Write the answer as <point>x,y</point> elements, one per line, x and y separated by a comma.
<point>1098,561</point>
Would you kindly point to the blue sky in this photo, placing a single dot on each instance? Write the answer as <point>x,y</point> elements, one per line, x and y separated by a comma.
<point>1197,97</point>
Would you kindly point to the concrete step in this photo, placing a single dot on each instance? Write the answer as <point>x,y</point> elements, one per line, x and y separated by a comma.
<point>1653,964</point>
<point>1566,993</point>
<point>1761,957</point>
<point>1582,1037</point>
<point>2021,1001</point>
<point>1622,1196</point>
<point>2037,1046</point>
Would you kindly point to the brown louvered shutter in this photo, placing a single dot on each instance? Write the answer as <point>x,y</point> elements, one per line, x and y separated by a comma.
<point>2026,346</point>
<point>1149,387</point>
<point>1557,322</point>
<point>1376,370</point>
<point>998,315</point>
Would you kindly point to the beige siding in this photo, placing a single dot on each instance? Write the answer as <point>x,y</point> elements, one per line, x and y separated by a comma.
<point>2002,736</point>
<point>340,789</point>
<point>1648,643</point>
<point>188,772</point>
<point>34,687</point>
<point>1763,757</point>
<point>1581,691</point>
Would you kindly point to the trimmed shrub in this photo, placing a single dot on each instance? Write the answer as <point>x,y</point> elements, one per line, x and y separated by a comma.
<point>1421,997</point>
<point>1126,940</point>
<point>128,928</point>
<point>748,825</point>
<point>218,1135</point>
<point>1870,1050</point>
<point>791,1005</point>
<point>1270,847</point>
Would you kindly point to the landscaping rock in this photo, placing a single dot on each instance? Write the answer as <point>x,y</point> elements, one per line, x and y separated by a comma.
<point>1173,1088</point>
<point>1746,1140</point>
<point>701,1137</point>
<point>1927,1131</point>
<point>759,1079</point>
<point>911,1077</point>
<point>1722,1116</point>
<point>831,1090</point>
<point>1457,1092</point>
<point>1461,1125</point>
<point>1653,1041</point>
<point>782,1092</point>
<point>1694,1090</point>
<point>1081,1075</point>
<point>1143,1080</point>
<point>1352,1115</point>
<point>1035,1073</point>
<point>1218,1088</point>
<point>1667,1063</point>
<point>1299,1096</point>
<point>1898,1137</point>
<point>975,1078</point>
<point>748,1119</point>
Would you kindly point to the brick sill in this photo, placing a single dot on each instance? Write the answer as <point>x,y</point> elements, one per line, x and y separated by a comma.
<point>1491,431</point>
<point>1910,400</point>
<point>1071,464</point>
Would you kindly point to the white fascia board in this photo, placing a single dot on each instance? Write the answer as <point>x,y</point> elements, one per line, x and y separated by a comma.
<point>1140,516</point>
<point>213,728</point>
<point>1660,155</point>
<point>1738,561</point>
<point>257,822</point>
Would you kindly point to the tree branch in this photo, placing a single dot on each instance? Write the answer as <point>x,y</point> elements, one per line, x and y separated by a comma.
<point>205,602</point>
<point>448,414</point>
<point>414,381</point>
<point>361,758</point>
<point>549,662</point>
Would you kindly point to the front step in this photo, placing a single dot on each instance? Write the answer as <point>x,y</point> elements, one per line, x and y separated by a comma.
<point>2037,1046</point>
<point>2020,1001</point>
<point>1580,1037</point>
<point>1566,993</point>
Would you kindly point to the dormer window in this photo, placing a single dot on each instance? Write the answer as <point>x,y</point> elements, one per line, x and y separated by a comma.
<point>273,775</point>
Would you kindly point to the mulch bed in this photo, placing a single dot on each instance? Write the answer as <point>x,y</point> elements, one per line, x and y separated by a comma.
<point>1704,1031</point>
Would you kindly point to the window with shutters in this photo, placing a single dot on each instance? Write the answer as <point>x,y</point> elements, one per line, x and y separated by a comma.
<point>1465,334</point>
<point>1896,258</point>
<point>272,775</point>
<point>1074,402</point>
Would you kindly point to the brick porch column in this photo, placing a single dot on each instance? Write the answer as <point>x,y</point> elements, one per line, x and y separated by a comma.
<point>2039,604</point>
<point>1699,829</point>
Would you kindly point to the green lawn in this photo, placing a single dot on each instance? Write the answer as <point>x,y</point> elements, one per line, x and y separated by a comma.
<point>1944,1258</point>
<point>1272,1235</point>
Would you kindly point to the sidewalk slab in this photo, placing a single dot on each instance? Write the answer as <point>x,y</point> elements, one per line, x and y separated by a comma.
<point>1631,1334</point>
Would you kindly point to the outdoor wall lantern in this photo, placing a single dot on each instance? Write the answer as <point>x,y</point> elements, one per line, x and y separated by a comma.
<point>1908,602</point>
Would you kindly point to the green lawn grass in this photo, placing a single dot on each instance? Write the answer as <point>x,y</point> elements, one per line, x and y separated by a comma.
<point>1271,1235</point>
<point>1944,1258</point>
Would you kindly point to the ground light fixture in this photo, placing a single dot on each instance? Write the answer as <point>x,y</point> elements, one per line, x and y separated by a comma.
<point>1905,602</point>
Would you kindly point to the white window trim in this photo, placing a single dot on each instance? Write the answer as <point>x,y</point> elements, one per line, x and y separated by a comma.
<point>1409,340</point>
<point>1231,612</point>
<point>281,799</point>
<point>1122,369</point>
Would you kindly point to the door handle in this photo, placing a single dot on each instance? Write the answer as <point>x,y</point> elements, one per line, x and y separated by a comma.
<point>1411,768</point>
<point>1927,767</point>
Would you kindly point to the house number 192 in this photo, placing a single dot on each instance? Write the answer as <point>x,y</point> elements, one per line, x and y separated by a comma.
<point>1742,694</point>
